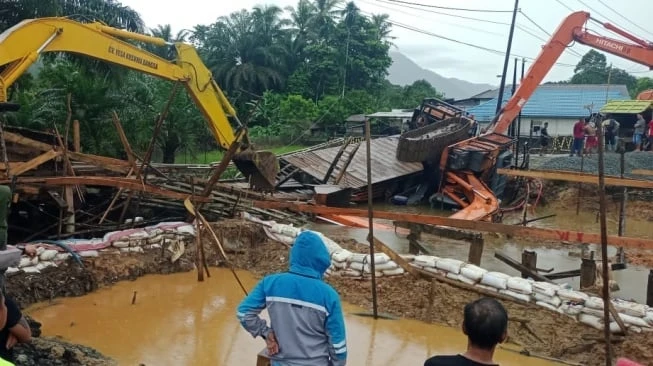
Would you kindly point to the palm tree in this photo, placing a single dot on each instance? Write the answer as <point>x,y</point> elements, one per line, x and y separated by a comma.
<point>165,32</point>
<point>383,28</point>
<point>324,19</point>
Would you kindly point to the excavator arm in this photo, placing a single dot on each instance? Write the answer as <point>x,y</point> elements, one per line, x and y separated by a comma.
<point>467,164</point>
<point>21,45</point>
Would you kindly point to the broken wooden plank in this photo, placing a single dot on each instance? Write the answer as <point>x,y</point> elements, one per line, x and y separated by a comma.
<point>34,163</point>
<point>558,235</point>
<point>116,182</point>
<point>577,177</point>
<point>111,164</point>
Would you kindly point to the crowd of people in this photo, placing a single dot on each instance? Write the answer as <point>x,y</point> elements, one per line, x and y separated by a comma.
<point>586,141</point>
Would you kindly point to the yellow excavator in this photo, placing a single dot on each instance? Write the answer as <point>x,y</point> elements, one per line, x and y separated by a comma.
<point>21,46</point>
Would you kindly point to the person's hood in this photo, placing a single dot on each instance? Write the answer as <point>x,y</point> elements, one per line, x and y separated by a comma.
<point>309,256</point>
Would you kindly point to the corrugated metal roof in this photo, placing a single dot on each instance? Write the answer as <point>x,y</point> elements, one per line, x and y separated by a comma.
<point>557,100</point>
<point>385,165</point>
<point>626,106</point>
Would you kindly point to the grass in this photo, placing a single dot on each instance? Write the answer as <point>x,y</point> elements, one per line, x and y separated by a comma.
<point>216,155</point>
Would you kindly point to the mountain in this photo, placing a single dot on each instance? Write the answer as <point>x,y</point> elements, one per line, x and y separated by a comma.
<point>404,71</point>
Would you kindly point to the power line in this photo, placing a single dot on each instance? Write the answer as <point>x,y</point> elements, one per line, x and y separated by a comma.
<point>449,8</point>
<point>565,5</point>
<point>547,33</point>
<point>625,18</point>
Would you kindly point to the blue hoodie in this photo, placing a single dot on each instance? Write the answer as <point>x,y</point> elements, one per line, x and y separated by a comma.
<point>305,312</point>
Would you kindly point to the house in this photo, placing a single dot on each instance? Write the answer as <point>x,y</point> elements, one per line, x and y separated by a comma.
<point>558,104</point>
<point>480,98</point>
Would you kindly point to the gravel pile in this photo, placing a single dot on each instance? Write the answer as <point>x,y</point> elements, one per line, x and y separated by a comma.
<point>634,160</point>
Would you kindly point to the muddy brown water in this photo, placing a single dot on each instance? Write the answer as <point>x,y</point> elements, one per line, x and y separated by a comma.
<point>179,321</point>
<point>632,280</point>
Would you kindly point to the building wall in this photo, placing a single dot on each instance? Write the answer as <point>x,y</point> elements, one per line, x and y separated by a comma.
<point>557,126</point>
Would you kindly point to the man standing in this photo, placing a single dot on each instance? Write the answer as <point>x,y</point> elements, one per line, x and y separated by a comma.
<point>486,325</point>
<point>307,325</point>
<point>610,128</point>
<point>579,137</point>
<point>638,134</point>
<point>544,138</point>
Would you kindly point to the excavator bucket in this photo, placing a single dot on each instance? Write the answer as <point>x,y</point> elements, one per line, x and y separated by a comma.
<point>259,167</point>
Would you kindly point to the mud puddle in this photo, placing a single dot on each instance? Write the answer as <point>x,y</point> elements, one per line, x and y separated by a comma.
<point>179,321</point>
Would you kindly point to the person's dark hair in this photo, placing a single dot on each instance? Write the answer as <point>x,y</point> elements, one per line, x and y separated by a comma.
<point>486,321</point>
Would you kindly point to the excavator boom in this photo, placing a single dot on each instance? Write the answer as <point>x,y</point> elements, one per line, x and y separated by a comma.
<point>21,45</point>
<point>463,163</point>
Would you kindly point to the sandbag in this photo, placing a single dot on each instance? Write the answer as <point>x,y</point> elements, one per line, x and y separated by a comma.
<point>339,265</point>
<point>595,312</point>
<point>546,305</point>
<point>435,271</point>
<point>516,295</point>
<point>360,267</point>
<point>408,257</point>
<point>385,266</point>
<point>630,308</point>
<point>350,273</point>
<point>635,329</point>
<point>649,317</point>
<point>571,309</point>
<point>571,295</point>
<point>45,264</point>
<point>461,278</point>
<point>31,270</point>
<point>591,320</point>
<point>486,287</point>
<point>545,288</point>
<point>594,303</point>
<point>341,255</point>
<point>27,262</point>
<point>120,243</point>
<point>449,265</point>
<point>472,272</point>
<point>615,328</point>
<point>62,256</point>
<point>521,285</point>
<point>155,239</point>
<point>155,246</point>
<point>425,260</point>
<point>633,320</point>
<point>12,270</point>
<point>551,300</point>
<point>48,255</point>
<point>394,272</point>
<point>497,280</point>
<point>379,258</point>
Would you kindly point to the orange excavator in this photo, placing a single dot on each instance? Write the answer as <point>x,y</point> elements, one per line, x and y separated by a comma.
<point>468,167</point>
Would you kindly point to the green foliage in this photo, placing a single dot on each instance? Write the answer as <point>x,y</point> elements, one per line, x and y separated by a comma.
<point>643,83</point>
<point>593,69</point>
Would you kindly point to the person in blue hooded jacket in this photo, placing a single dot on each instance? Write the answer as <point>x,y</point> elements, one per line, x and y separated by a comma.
<point>307,325</point>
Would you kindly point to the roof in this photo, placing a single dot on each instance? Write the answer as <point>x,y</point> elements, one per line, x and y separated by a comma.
<point>490,93</point>
<point>393,114</point>
<point>626,106</point>
<point>385,165</point>
<point>557,100</point>
<point>356,118</point>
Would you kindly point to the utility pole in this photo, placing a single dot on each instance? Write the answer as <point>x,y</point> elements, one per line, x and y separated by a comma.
<point>507,58</point>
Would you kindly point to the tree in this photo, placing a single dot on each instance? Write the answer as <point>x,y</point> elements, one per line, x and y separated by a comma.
<point>593,69</point>
<point>643,83</point>
<point>414,94</point>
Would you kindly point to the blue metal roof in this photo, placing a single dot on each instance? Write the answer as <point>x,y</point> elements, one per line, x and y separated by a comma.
<point>557,101</point>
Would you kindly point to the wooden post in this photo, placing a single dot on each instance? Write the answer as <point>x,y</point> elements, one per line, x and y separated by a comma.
<point>370,209</point>
<point>587,272</point>
<point>415,234</point>
<point>77,143</point>
<point>529,260</point>
<point>649,289</point>
<point>476,250</point>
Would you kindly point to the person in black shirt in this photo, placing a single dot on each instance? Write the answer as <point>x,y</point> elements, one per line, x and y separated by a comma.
<point>486,325</point>
<point>544,138</point>
<point>14,327</point>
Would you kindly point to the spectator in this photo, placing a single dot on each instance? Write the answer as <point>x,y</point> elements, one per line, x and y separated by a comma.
<point>650,134</point>
<point>591,141</point>
<point>486,325</point>
<point>638,135</point>
<point>307,326</point>
<point>611,128</point>
<point>14,328</point>
<point>579,138</point>
<point>544,138</point>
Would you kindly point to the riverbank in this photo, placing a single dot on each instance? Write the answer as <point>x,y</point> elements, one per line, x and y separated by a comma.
<point>536,329</point>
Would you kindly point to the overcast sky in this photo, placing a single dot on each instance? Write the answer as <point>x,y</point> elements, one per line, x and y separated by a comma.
<point>445,57</point>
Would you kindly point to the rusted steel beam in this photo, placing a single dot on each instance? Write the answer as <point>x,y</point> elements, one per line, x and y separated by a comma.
<point>125,183</point>
<point>577,177</point>
<point>568,236</point>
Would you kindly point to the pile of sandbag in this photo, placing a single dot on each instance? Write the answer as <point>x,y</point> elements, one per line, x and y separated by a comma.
<point>556,297</point>
<point>343,262</point>
<point>51,253</point>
